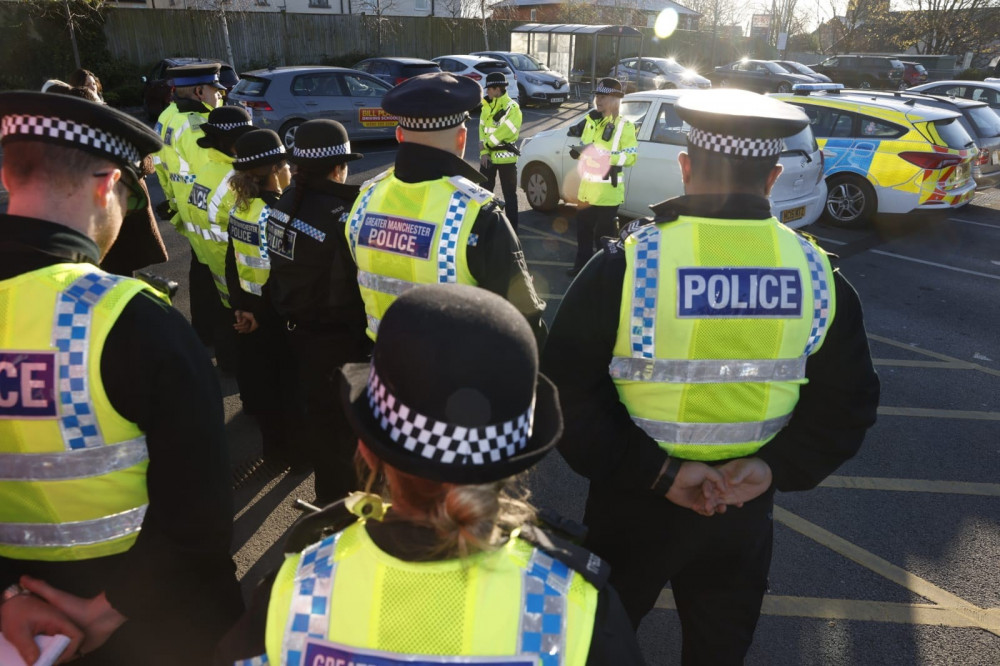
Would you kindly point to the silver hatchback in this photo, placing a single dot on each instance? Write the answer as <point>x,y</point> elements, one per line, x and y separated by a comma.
<point>283,98</point>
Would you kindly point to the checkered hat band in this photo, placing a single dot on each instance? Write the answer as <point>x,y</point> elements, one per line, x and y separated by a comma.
<point>431,124</point>
<point>734,145</point>
<point>321,152</point>
<point>445,442</point>
<point>604,90</point>
<point>259,156</point>
<point>228,127</point>
<point>70,132</point>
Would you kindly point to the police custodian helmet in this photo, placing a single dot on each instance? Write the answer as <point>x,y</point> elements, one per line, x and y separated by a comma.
<point>432,102</point>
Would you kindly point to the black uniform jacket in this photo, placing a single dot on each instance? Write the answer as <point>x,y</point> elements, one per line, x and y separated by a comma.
<point>613,642</point>
<point>601,442</point>
<point>244,300</point>
<point>495,257</point>
<point>314,280</point>
<point>157,375</point>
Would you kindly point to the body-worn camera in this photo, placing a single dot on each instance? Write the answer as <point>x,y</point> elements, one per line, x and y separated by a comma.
<point>609,131</point>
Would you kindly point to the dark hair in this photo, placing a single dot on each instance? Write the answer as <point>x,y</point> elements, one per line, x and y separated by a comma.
<point>731,173</point>
<point>24,161</point>
<point>79,79</point>
<point>305,179</point>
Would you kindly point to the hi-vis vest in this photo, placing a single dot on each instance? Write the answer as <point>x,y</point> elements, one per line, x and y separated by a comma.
<point>496,130</point>
<point>718,318</point>
<point>206,217</point>
<point>248,234</point>
<point>344,598</point>
<point>620,151</point>
<point>72,470</point>
<point>160,158</point>
<point>405,234</point>
<point>181,157</point>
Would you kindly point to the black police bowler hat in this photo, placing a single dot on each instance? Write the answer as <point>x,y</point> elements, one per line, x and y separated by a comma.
<point>434,101</point>
<point>206,74</point>
<point>259,147</point>
<point>225,122</point>
<point>495,79</point>
<point>609,86</point>
<point>322,144</point>
<point>453,392</point>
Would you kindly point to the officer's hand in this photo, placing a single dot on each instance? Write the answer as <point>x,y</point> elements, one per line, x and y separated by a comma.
<point>26,616</point>
<point>746,479</point>
<point>595,115</point>
<point>698,487</point>
<point>95,616</point>
<point>574,153</point>
<point>245,322</point>
<point>164,210</point>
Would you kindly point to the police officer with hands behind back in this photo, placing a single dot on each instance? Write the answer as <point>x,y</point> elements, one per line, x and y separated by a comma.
<point>607,145</point>
<point>499,129</point>
<point>115,504</point>
<point>427,220</point>
<point>709,358</point>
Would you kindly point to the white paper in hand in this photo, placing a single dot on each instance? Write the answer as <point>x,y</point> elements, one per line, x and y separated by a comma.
<point>51,647</point>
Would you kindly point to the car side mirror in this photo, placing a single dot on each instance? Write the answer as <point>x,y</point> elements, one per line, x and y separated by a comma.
<point>576,130</point>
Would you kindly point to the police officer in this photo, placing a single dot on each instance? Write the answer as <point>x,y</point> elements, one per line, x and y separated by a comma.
<point>454,570</point>
<point>741,367</point>
<point>314,287</point>
<point>607,145</point>
<point>116,482</point>
<point>499,129</point>
<point>427,220</point>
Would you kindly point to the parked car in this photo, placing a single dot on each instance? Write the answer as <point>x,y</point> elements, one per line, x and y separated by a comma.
<point>913,74</point>
<point>862,71</point>
<point>757,75</point>
<point>979,91</point>
<point>478,68</point>
<point>283,98</point>
<point>978,119</point>
<point>804,70</point>
<point>884,154</point>
<point>536,83</point>
<point>656,74</point>
<point>158,89</point>
<point>396,70</point>
<point>548,173</point>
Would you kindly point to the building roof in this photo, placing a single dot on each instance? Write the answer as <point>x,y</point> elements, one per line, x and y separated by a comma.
<point>579,29</point>
<point>640,5</point>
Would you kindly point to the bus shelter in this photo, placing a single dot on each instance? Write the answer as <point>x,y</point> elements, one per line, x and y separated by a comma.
<point>584,52</point>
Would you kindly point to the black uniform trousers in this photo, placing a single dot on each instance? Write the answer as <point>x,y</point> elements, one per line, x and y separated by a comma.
<point>211,320</point>
<point>717,566</point>
<point>592,224</point>
<point>508,185</point>
<point>266,377</point>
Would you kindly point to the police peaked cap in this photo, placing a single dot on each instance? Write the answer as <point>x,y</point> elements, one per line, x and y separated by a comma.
<point>739,123</point>
<point>453,392</point>
<point>321,144</point>
<point>434,101</point>
<point>202,74</point>
<point>609,86</point>
<point>496,79</point>
<point>225,122</point>
<point>260,147</point>
<point>73,122</point>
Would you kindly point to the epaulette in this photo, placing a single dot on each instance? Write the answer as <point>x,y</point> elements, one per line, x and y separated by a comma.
<point>616,244</point>
<point>333,518</point>
<point>815,243</point>
<point>196,120</point>
<point>478,194</point>
<point>579,559</point>
<point>374,179</point>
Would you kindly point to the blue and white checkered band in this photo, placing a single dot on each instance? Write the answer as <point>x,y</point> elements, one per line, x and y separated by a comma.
<point>309,616</point>
<point>646,279</point>
<point>458,206</point>
<point>324,151</point>
<point>734,145</point>
<point>445,442</point>
<point>73,133</point>
<point>227,127</point>
<point>821,295</point>
<point>260,660</point>
<point>431,124</point>
<point>546,582</point>
<point>604,90</point>
<point>259,156</point>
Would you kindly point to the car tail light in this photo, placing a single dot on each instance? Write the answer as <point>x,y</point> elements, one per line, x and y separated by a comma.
<point>260,106</point>
<point>400,79</point>
<point>931,160</point>
<point>475,77</point>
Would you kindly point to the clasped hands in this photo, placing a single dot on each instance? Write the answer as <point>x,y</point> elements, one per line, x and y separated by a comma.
<point>48,611</point>
<point>710,490</point>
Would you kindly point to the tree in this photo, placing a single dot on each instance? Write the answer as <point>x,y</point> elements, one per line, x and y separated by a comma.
<point>948,26</point>
<point>381,11</point>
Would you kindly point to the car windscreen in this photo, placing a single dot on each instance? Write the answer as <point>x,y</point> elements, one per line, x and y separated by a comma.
<point>252,86</point>
<point>409,71</point>
<point>896,64</point>
<point>953,134</point>
<point>487,67</point>
<point>524,63</point>
<point>985,120</point>
<point>804,141</point>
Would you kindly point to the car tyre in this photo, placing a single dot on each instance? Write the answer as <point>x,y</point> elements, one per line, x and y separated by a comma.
<point>784,87</point>
<point>903,85</point>
<point>540,187</point>
<point>522,96</point>
<point>287,133</point>
<point>850,202</point>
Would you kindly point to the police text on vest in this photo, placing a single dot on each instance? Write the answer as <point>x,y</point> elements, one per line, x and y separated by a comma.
<point>399,235</point>
<point>27,385</point>
<point>727,292</point>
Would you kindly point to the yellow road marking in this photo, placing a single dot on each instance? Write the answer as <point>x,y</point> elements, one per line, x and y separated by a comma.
<point>853,609</point>
<point>941,365</point>
<point>984,619</point>
<point>939,413</point>
<point>940,357</point>
<point>912,485</point>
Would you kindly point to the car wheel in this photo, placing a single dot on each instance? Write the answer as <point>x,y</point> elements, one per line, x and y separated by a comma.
<point>522,95</point>
<point>784,87</point>
<point>540,187</point>
<point>287,132</point>
<point>903,85</point>
<point>850,202</point>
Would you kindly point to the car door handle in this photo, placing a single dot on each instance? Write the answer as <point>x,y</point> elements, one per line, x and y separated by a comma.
<point>312,103</point>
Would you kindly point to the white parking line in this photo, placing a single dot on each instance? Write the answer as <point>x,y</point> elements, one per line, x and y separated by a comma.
<point>936,265</point>
<point>828,240</point>
<point>978,224</point>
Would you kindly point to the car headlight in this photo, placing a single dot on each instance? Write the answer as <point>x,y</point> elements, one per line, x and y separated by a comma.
<point>535,81</point>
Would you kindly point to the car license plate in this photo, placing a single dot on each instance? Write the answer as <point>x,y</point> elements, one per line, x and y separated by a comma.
<point>793,214</point>
<point>557,99</point>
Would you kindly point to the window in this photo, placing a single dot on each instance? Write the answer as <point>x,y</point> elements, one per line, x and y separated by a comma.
<point>991,97</point>
<point>316,85</point>
<point>636,112</point>
<point>827,122</point>
<point>364,86</point>
<point>669,127</point>
<point>321,4</point>
<point>534,14</point>
<point>880,129</point>
<point>422,5</point>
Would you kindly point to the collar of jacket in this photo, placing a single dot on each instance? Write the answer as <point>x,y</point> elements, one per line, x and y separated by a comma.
<point>417,163</point>
<point>185,105</point>
<point>342,191</point>
<point>30,235</point>
<point>727,207</point>
<point>501,102</point>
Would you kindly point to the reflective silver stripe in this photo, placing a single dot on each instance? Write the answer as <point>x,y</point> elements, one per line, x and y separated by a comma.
<point>220,192</point>
<point>80,533</point>
<point>76,464</point>
<point>545,585</point>
<point>711,433</point>
<point>501,155</point>
<point>251,288</point>
<point>383,284</point>
<point>707,371</point>
<point>252,262</point>
<point>373,323</point>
